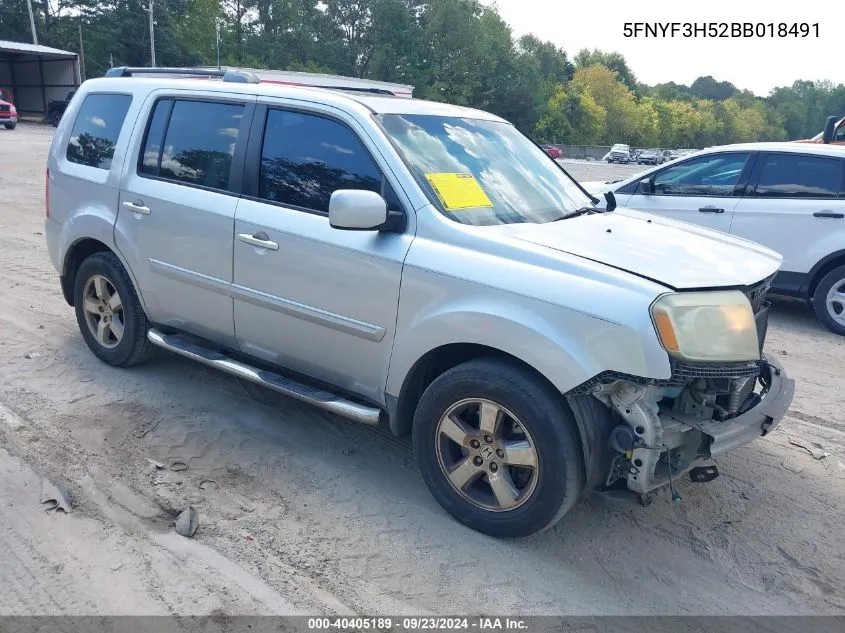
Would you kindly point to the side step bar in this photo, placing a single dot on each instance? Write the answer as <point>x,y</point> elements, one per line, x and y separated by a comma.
<point>317,397</point>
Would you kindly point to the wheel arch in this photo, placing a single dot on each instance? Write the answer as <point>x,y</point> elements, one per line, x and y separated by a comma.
<point>824,266</point>
<point>80,250</point>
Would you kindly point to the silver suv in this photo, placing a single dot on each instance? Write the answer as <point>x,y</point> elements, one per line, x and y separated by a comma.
<point>418,265</point>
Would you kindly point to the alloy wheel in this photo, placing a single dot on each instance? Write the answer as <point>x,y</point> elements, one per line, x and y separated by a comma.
<point>487,455</point>
<point>103,309</point>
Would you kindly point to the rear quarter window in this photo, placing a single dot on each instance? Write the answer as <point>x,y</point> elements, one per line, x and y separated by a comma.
<point>96,129</point>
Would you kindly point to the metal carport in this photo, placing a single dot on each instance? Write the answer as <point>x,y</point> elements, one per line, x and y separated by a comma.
<point>37,75</point>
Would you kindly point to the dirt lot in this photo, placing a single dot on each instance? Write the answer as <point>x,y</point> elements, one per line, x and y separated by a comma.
<point>302,513</point>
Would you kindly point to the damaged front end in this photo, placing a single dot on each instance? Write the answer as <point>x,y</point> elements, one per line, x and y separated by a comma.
<point>670,429</point>
<point>664,428</point>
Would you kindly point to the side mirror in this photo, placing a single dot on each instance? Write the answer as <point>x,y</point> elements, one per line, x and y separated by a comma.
<point>829,129</point>
<point>357,210</point>
<point>610,197</point>
<point>645,187</point>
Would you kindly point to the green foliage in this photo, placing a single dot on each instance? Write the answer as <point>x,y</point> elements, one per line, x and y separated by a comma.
<point>459,51</point>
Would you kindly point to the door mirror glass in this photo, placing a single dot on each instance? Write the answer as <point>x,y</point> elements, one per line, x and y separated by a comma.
<point>646,186</point>
<point>357,210</point>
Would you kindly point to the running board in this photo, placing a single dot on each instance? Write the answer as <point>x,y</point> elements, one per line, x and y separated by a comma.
<point>317,397</point>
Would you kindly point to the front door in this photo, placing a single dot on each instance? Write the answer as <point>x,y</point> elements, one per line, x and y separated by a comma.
<point>177,210</point>
<point>308,297</point>
<point>701,190</point>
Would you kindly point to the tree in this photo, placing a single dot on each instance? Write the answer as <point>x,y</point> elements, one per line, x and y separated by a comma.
<point>613,61</point>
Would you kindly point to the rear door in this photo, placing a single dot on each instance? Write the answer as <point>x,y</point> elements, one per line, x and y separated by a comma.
<point>177,208</point>
<point>701,190</point>
<point>795,204</point>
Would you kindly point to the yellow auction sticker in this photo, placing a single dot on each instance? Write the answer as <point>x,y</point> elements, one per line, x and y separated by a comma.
<point>458,191</point>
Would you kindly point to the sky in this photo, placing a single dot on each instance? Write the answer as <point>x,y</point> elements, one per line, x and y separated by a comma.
<point>756,63</point>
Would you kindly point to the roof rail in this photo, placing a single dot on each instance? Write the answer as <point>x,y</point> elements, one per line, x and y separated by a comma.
<point>229,75</point>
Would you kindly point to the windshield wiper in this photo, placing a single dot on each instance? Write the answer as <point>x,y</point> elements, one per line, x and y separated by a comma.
<point>577,212</point>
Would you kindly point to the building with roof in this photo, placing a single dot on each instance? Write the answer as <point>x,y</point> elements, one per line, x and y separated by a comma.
<point>37,74</point>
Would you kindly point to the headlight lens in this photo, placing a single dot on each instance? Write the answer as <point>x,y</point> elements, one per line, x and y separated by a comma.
<point>706,326</point>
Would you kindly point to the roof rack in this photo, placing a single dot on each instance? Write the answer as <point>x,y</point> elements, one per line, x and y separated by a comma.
<point>228,75</point>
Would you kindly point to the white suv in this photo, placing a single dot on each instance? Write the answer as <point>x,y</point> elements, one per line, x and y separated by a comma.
<point>787,196</point>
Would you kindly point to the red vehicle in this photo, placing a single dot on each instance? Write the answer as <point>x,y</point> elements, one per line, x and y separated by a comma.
<point>834,133</point>
<point>552,151</point>
<point>8,113</point>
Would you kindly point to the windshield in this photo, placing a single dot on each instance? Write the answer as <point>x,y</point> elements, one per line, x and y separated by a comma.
<point>482,172</point>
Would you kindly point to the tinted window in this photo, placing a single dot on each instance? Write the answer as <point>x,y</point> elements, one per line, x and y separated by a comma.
<point>712,175</point>
<point>305,158</point>
<point>799,176</point>
<point>198,145</point>
<point>155,137</point>
<point>96,129</point>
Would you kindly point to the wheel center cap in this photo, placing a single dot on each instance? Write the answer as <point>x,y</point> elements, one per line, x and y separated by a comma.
<point>487,452</point>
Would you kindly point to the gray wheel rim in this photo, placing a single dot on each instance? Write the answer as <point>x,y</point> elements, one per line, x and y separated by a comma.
<point>487,455</point>
<point>836,302</point>
<point>103,310</point>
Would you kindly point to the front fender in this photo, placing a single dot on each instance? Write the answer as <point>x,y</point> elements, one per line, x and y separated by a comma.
<point>565,346</point>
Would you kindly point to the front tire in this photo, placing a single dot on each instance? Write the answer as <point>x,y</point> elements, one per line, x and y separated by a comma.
<point>829,300</point>
<point>498,448</point>
<point>108,312</point>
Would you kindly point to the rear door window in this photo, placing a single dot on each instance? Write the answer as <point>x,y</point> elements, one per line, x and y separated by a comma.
<point>711,175</point>
<point>198,144</point>
<point>95,131</point>
<point>799,176</point>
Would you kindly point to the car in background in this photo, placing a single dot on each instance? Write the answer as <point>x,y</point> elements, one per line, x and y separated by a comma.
<point>650,157</point>
<point>787,196</point>
<point>8,112</point>
<point>668,155</point>
<point>619,153</point>
<point>552,151</point>
<point>833,133</point>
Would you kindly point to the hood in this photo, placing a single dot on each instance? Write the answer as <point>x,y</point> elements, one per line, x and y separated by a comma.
<point>675,254</point>
<point>598,186</point>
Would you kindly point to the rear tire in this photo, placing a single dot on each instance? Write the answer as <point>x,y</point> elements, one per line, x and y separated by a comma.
<point>829,300</point>
<point>10,126</point>
<point>108,312</point>
<point>512,481</point>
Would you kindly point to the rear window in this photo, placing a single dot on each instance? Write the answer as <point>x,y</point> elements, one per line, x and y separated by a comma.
<point>96,129</point>
<point>799,176</point>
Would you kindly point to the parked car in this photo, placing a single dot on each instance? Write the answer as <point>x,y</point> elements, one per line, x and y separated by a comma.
<point>552,151</point>
<point>8,112</point>
<point>619,153</point>
<point>337,247</point>
<point>650,157</point>
<point>787,196</point>
<point>833,132</point>
<point>668,155</point>
<point>56,108</point>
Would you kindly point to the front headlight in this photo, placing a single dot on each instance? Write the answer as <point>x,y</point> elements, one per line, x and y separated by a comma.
<point>714,326</point>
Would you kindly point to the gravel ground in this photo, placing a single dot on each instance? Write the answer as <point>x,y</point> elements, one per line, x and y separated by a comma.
<point>302,513</point>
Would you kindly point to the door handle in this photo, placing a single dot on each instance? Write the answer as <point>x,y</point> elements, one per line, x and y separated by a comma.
<point>260,239</point>
<point>829,214</point>
<point>137,207</point>
<point>709,209</point>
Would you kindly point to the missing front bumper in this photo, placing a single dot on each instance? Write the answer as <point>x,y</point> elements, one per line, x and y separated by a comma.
<point>665,445</point>
<point>759,421</point>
